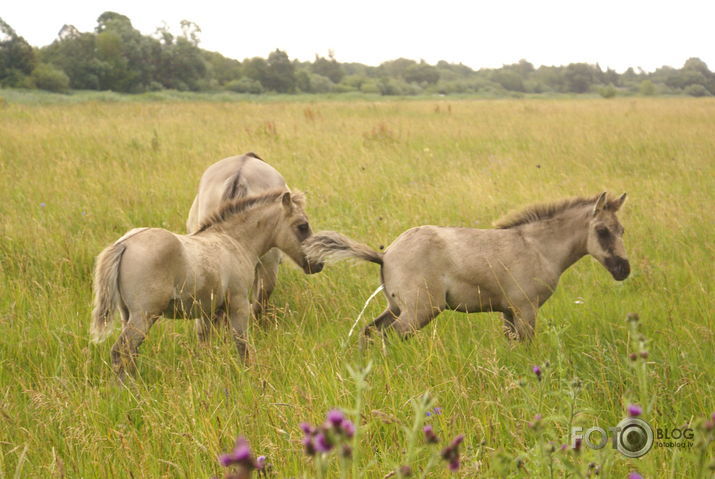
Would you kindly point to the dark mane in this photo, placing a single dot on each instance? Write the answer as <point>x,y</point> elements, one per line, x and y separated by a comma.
<point>230,208</point>
<point>545,211</point>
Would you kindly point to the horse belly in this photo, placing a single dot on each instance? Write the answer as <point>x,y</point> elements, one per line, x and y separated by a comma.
<point>472,298</point>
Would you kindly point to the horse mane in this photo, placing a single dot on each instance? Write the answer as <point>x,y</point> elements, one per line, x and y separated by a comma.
<point>230,208</point>
<point>235,189</point>
<point>545,211</point>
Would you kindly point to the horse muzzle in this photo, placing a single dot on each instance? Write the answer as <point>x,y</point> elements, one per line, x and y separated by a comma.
<point>312,268</point>
<point>619,267</point>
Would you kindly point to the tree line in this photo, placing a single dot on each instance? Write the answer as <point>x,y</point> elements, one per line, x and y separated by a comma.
<point>116,56</point>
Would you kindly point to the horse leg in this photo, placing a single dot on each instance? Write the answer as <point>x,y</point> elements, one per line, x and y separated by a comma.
<point>410,320</point>
<point>525,322</point>
<point>381,322</point>
<point>125,350</point>
<point>266,275</point>
<point>509,328</point>
<point>238,313</point>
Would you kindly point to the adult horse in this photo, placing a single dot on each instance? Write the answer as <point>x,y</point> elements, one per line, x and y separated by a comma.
<point>151,272</point>
<point>513,269</point>
<point>238,177</point>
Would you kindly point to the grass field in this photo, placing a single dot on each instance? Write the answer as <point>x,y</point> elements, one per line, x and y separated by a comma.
<point>74,177</point>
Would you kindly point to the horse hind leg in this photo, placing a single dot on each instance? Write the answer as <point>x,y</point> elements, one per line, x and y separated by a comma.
<point>409,321</point>
<point>266,275</point>
<point>382,322</point>
<point>520,323</point>
<point>126,348</point>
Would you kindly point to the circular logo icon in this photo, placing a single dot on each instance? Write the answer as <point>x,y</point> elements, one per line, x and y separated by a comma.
<point>635,437</point>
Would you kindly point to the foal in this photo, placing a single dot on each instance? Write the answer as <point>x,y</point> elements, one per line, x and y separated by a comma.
<point>513,269</point>
<point>239,177</point>
<point>152,272</point>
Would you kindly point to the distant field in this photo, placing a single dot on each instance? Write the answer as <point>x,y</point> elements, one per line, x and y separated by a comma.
<point>74,177</point>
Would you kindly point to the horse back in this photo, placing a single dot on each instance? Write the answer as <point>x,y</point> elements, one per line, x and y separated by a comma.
<point>232,177</point>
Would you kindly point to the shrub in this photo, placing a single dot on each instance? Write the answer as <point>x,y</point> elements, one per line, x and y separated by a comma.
<point>696,90</point>
<point>607,91</point>
<point>647,88</point>
<point>245,85</point>
<point>47,77</point>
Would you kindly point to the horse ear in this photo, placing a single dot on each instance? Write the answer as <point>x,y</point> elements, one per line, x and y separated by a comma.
<point>619,202</point>
<point>287,202</point>
<point>600,204</point>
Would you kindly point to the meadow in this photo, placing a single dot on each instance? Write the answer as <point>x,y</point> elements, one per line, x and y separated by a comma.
<point>75,177</point>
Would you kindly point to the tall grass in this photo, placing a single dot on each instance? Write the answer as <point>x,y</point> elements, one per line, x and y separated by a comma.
<point>75,177</point>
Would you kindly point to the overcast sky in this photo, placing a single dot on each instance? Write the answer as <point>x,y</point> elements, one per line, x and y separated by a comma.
<point>613,33</point>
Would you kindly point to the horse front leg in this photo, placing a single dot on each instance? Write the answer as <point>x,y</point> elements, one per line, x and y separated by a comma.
<point>239,311</point>
<point>266,276</point>
<point>509,328</point>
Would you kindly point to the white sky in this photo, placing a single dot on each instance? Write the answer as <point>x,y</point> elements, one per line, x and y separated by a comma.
<point>478,33</point>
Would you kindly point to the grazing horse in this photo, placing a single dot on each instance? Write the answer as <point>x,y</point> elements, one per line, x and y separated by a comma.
<point>152,272</point>
<point>238,177</point>
<point>512,269</point>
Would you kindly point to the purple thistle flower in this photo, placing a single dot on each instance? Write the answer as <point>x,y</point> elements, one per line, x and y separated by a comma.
<point>307,428</point>
<point>451,453</point>
<point>577,444</point>
<point>634,475</point>
<point>322,443</point>
<point>43,204</point>
<point>405,471</point>
<point>430,436</point>
<point>241,454</point>
<point>348,428</point>
<point>457,441</point>
<point>438,410</point>
<point>536,422</point>
<point>634,410</point>
<point>309,446</point>
<point>336,417</point>
<point>260,462</point>
<point>537,372</point>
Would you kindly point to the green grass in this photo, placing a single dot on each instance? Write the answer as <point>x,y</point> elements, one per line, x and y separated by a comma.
<point>371,170</point>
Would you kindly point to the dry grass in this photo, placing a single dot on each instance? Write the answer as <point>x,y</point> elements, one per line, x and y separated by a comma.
<point>75,177</point>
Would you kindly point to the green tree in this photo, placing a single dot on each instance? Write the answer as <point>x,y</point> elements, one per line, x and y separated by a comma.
<point>256,69</point>
<point>328,67</point>
<point>421,73</point>
<point>131,59</point>
<point>75,54</point>
<point>578,77</point>
<point>280,73</point>
<point>508,79</point>
<point>17,58</point>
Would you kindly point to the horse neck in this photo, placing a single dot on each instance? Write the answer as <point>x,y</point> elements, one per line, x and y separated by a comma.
<point>255,230</point>
<point>562,239</point>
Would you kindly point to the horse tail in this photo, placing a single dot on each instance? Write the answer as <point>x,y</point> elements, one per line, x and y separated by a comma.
<point>234,188</point>
<point>330,247</point>
<point>106,290</point>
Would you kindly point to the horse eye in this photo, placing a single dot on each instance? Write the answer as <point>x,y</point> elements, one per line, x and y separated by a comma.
<point>603,232</point>
<point>303,227</point>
